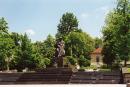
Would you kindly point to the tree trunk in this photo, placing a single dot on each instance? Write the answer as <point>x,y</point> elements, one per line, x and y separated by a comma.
<point>125,62</point>
<point>7,64</point>
<point>71,53</point>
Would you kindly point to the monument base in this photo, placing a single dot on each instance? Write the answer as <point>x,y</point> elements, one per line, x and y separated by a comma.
<point>56,70</point>
<point>60,62</point>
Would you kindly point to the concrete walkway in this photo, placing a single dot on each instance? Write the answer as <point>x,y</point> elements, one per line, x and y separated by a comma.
<point>96,85</point>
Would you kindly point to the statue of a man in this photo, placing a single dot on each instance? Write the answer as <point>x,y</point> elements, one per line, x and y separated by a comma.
<point>60,52</point>
<point>60,48</point>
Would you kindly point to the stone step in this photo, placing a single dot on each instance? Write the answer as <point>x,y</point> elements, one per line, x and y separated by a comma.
<point>60,76</point>
<point>95,81</point>
<point>90,77</point>
<point>35,82</point>
<point>95,77</point>
<point>47,78</point>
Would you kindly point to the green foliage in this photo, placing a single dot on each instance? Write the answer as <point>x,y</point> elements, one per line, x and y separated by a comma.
<point>47,61</point>
<point>128,70</point>
<point>115,66</point>
<point>3,26</point>
<point>48,47</point>
<point>43,52</point>
<point>79,43</point>
<point>111,43</point>
<point>41,64</point>
<point>92,67</point>
<point>6,45</point>
<point>105,70</point>
<point>116,34</point>
<point>98,42</point>
<point>24,57</point>
<point>112,67</point>
<point>18,52</point>
<point>104,66</point>
<point>68,23</point>
<point>82,69</point>
<point>83,61</point>
<point>72,60</point>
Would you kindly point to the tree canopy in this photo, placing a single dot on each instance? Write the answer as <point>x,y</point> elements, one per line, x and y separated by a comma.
<point>116,33</point>
<point>17,51</point>
<point>68,23</point>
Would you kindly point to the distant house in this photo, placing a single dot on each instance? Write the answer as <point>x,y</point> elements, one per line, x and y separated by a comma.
<point>96,57</point>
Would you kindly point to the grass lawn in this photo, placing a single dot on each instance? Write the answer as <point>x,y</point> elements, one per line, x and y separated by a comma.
<point>128,70</point>
<point>105,70</point>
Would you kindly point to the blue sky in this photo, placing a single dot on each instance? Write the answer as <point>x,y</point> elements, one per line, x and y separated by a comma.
<point>39,18</point>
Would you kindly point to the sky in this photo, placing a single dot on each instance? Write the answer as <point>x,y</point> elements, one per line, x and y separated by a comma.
<point>39,18</point>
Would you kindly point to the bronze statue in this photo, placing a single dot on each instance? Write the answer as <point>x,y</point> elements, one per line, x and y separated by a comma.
<point>59,53</point>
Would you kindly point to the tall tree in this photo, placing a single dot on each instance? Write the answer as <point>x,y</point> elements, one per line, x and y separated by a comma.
<point>123,9</point>
<point>17,48</point>
<point>6,50</point>
<point>3,26</point>
<point>98,42</point>
<point>6,45</point>
<point>48,48</point>
<point>25,59</point>
<point>68,23</point>
<point>44,52</point>
<point>116,32</point>
<point>79,44</point>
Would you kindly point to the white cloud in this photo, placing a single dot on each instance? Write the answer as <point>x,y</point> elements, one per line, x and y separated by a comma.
<point>84,15</point>
<point>30,32</point>
<point>104,9</point>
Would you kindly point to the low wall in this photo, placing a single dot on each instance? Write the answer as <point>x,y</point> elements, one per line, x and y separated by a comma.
<point>126,77</point>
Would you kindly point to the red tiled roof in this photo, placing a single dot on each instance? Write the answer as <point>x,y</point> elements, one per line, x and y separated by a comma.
<point>97,51</point>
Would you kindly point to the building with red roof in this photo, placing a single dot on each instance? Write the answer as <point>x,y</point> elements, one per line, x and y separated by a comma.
<point>96,57</point>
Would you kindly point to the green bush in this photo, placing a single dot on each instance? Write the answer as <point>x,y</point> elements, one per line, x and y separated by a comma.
<point>47,61</point>
<point>113,66</point>
<point>41,64</point>
<point>72,60</point>
<point>105,70</point>
<point>104,66</point>
<point>92,67</point>
<point>83,61</point>
<point>82,69</point>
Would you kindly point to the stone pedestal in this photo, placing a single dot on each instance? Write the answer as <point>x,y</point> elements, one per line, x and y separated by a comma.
<point>128,84</point>
<point>60,62</point>
<point>55,70</point>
